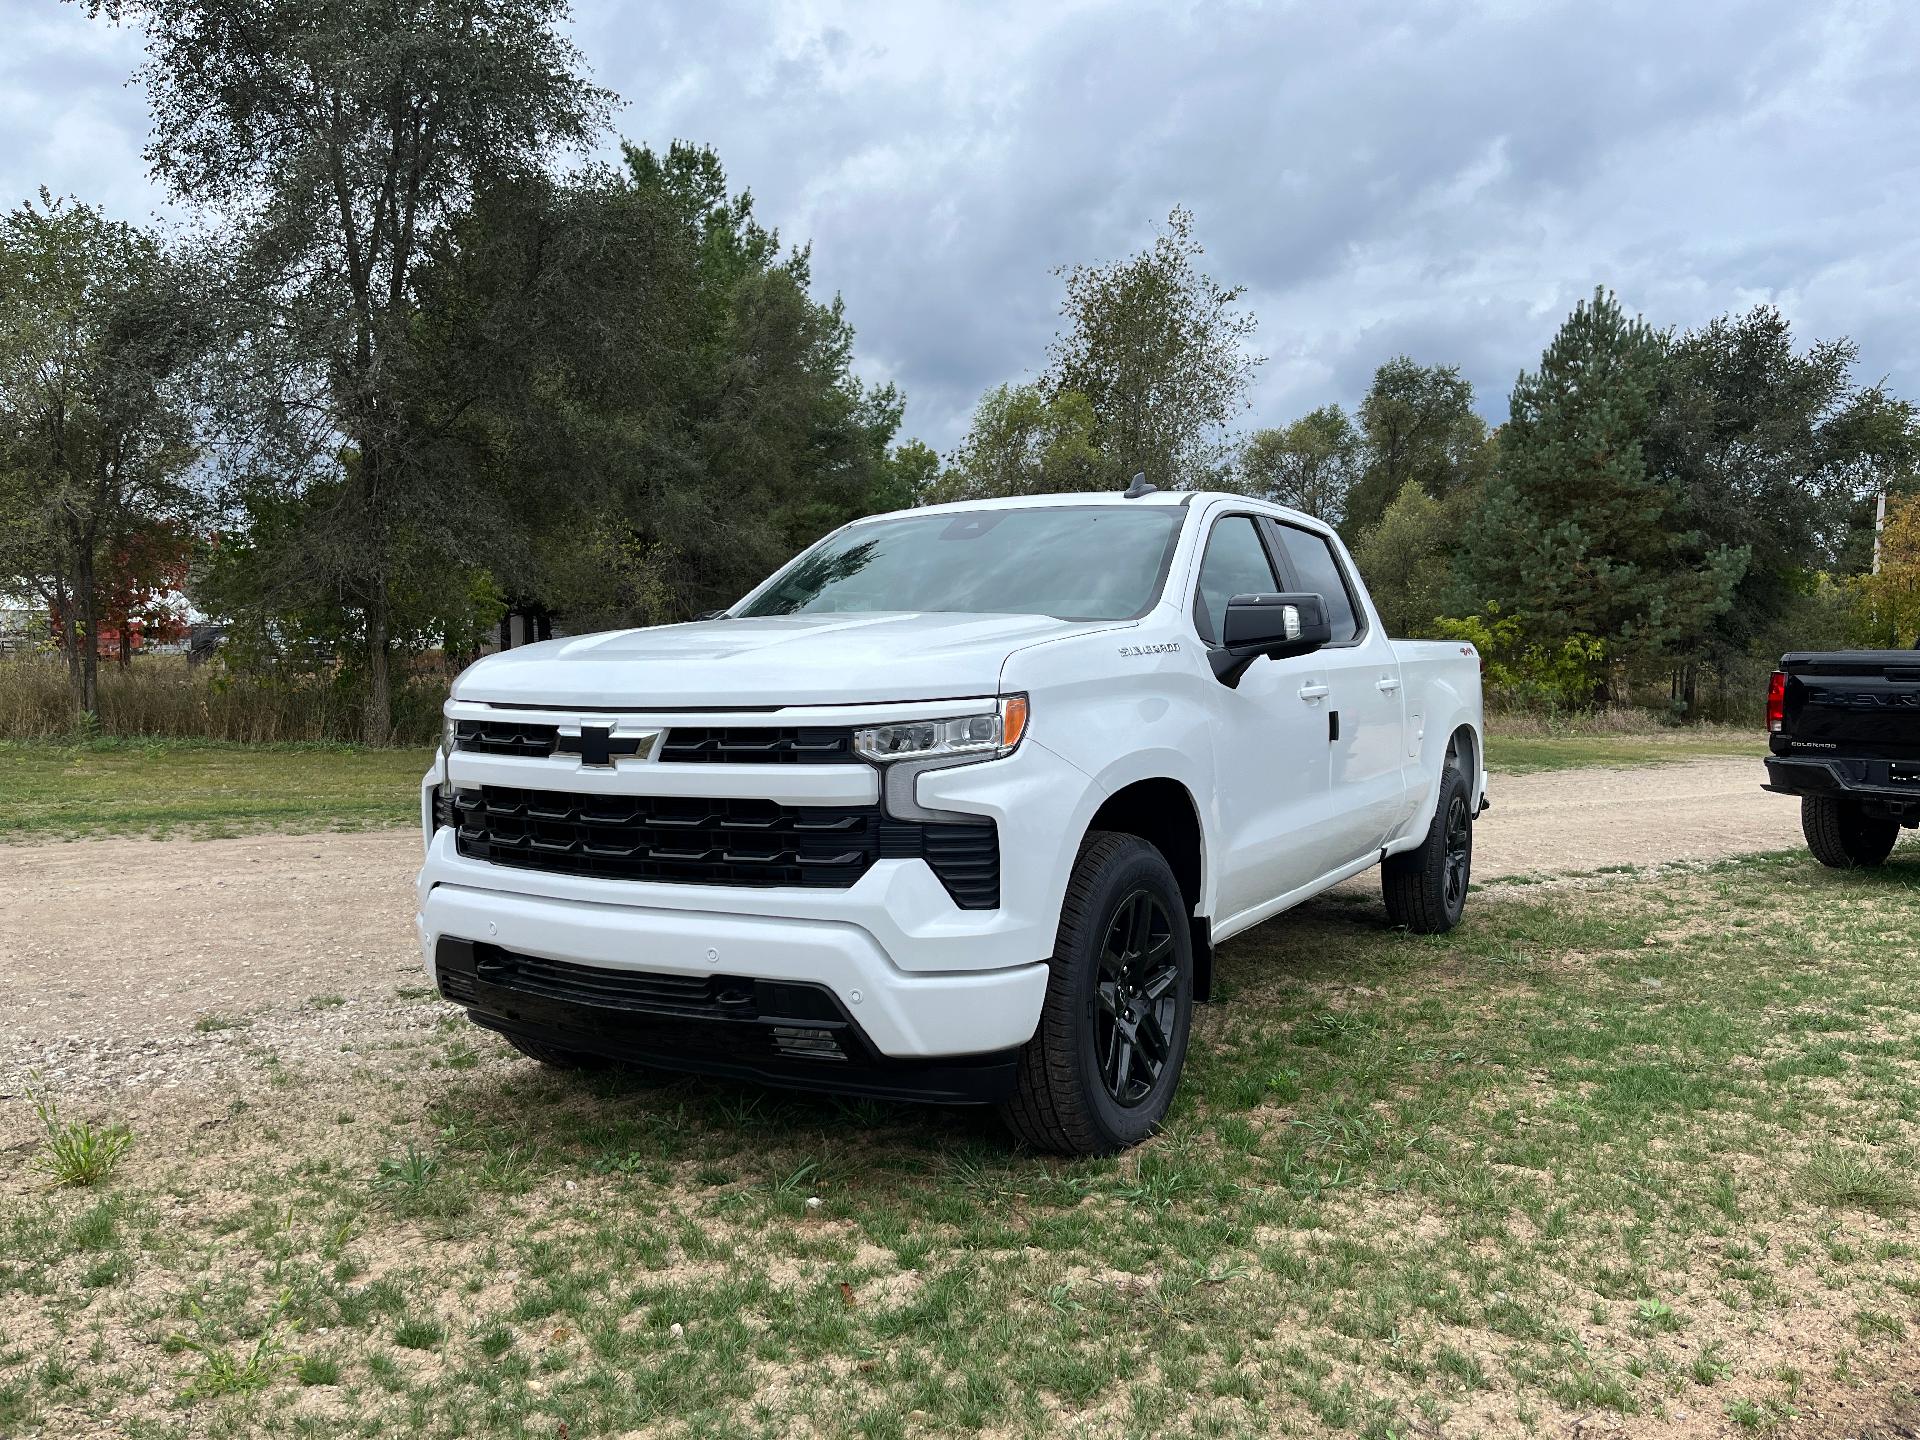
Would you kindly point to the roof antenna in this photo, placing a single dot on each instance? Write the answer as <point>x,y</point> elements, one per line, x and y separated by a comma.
<point>1140,487</point>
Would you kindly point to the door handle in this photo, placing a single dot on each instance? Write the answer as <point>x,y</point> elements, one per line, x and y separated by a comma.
<point>1386,684</point>
<point>1311,693</point>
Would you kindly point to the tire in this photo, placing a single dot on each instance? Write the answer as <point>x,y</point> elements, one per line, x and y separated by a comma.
<point>1426,888</point>
<point>1120,988</point>
<point>553,1057</point>
<point>1841,836</point>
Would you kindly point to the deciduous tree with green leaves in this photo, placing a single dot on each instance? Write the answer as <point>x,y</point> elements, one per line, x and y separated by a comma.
<point>1417,423</point>
<point>96,435</point>
<point>1159,350</point>
<point>1310,464</point>
<point>1768,447</point>
<point>334,140</point>
<point>1026,441</point>
<point>1408,557</point>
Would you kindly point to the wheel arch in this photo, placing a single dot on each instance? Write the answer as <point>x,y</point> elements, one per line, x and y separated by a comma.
<point>1162,812</point>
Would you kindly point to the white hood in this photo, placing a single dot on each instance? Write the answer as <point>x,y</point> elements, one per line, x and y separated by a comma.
<point>771,660</point>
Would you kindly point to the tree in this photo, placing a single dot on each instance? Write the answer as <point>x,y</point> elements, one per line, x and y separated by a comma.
<point>335,139</point>
<point>1408,559</point>
<point>95,437</point>
<point>1887,603</point>
<point>1310,464</point>
<point>1876,439</point>
<point>1766,447</point>
<point>912,472</point>
<point>1577,535</point>
<point>768,439</point>
<point>1159,351</point>
<point>1024,441</point>
<point>1417,423</point>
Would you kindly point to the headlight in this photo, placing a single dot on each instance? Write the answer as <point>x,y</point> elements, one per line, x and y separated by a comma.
<point>449,733</point>
<point>980,736</point>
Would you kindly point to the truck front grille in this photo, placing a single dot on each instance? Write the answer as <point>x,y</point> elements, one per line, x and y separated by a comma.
<point>504,737</point>
<point>685,744</point>
<point>667,837</point>
<point>759,745</point>
<point>721,841</point>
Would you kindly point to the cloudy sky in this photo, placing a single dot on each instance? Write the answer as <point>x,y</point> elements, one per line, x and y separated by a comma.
<point>1442,180</point>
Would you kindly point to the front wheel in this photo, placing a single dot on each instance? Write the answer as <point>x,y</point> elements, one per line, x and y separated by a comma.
<point>1101,1068</point>
<point>1426,888</point>
<point>1840,835</point>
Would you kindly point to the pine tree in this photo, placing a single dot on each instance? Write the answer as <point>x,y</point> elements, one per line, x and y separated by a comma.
<point>1577,537</point>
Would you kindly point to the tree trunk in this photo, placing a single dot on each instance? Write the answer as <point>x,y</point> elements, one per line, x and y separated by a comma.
<point>90,640</point>
<point>379,714</point>
<point>69,635</point>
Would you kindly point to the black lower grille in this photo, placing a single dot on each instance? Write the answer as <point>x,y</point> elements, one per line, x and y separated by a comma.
<point>639,992</point>
<point>718,841</point>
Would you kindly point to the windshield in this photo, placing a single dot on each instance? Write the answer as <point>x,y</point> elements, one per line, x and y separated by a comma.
<point>1074,562</point>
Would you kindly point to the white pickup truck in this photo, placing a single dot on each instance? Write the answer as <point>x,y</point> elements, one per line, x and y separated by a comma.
<point>955,807</point>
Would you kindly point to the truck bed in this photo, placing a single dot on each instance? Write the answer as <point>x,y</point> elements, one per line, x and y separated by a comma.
<point>1863,703</point>
<point>1845,724</point>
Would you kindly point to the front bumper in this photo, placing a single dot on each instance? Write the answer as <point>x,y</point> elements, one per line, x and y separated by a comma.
<point>898,1015</point>
<point>1872,782</point>
<point>777,1033</point>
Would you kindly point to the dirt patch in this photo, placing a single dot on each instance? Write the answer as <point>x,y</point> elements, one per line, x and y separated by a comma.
<point>126,962</point>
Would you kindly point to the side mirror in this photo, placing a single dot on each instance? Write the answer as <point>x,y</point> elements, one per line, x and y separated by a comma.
<point>1275,626</point>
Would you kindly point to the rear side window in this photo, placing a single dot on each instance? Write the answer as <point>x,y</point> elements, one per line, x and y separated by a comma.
<point>1316,571</point>
<point>1236,564</point>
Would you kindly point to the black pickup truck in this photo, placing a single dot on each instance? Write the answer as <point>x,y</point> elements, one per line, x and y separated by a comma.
<point>1844,729</point>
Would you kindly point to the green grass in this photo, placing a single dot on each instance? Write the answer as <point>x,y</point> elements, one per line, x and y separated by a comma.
<point>1494,1182</point>
<point>205,789</point>
<point>1510,754</point>
<point>202,789</point>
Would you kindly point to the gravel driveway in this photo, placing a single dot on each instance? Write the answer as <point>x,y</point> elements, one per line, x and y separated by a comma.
<point>137,962</point>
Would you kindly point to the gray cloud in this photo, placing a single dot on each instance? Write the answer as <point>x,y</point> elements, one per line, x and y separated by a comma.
<point>1441,179</point>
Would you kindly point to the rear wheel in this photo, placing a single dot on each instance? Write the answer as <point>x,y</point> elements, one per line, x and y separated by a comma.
<point>1101,1068</point>
<point>1426,888</point>
<point>1840,835</point>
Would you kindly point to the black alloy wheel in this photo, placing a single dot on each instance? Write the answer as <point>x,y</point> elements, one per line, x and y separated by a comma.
<point>1135,1005</point>
<point>1105,1059</point>
<point>1459,860</point>
<point>1426,888</point>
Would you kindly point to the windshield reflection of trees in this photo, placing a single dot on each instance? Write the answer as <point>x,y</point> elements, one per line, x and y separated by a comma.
<point>813,573</point>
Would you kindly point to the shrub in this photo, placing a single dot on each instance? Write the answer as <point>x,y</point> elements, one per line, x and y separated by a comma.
<point>162,697</point>
<point>76,1152</point>
<point>1522,673</point>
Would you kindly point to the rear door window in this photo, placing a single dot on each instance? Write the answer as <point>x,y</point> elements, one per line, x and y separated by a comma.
<point>1316,571</point>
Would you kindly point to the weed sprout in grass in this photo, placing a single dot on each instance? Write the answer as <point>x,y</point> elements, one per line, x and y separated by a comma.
<point>225,1372</point>
<point>75,1152</point>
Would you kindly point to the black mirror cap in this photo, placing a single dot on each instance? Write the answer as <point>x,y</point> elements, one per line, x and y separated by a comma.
<point>1276,625</point>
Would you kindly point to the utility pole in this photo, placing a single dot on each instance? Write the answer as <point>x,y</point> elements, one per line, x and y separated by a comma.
<point>1879,524</point>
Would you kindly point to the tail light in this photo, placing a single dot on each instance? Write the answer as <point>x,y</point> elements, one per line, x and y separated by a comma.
<point>1777,702</point>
